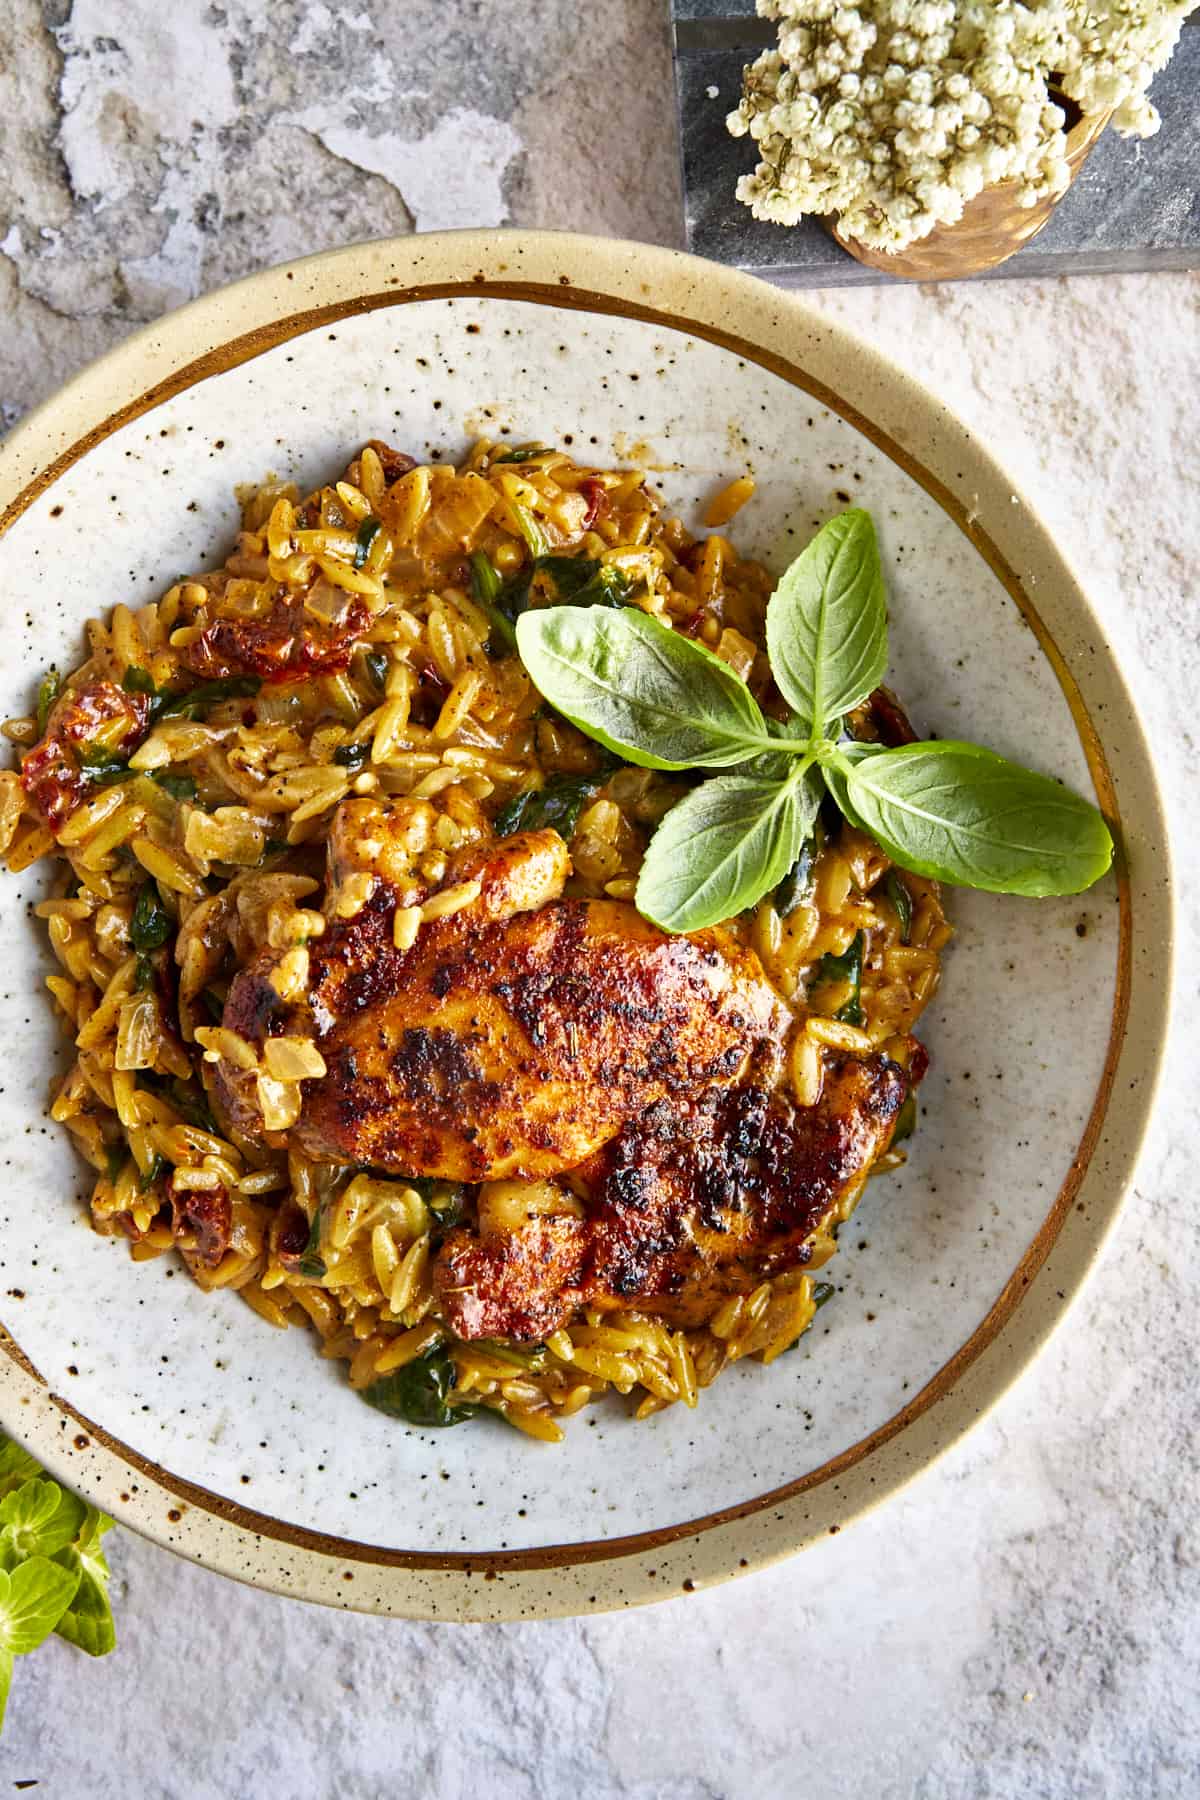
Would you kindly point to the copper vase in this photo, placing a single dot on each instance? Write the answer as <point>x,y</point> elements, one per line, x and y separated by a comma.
<point>993,226</point>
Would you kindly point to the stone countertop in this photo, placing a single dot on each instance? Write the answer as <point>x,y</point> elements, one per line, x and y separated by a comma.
<point>1024,1619</point>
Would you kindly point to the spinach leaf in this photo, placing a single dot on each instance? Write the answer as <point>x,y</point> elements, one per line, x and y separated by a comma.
<point>723,847</point>
<point>151,924</point>
<point>846,967</point>
<point>530,529</point>
<point>901,901</point>
<point>101,765</point>
<point>584,580</point>
<point>49,688</point>
<point>486,587</point>
<point>311,1262</point>
<point>558,805</point>
<point>206,694</point>
<point>520,453</point>
<point>640,688</point>
<point>906,1118</point>
<point>827,622</point>
<point>154,1174</point>
<point>353,756</point>
<point>364,537</point>
<point>140,681</point>
<point>962,814</point>
<point>823,1291</point>
<point>377,668</point>
<point>180,787</point>
<point>797,884</point>
<point>446,1200</point>
<point>417,1392</point>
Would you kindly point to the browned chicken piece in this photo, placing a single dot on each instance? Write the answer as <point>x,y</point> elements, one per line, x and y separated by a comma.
<point>696,1199</point>
<point>516,1037</point>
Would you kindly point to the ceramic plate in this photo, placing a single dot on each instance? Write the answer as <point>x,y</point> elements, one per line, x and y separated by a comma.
<point>185,1415</point>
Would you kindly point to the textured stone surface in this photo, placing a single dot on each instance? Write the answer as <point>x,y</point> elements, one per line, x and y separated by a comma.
<point>1024,1621</point>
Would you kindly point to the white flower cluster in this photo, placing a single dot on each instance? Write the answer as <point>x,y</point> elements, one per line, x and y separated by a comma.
<point>894,113</point>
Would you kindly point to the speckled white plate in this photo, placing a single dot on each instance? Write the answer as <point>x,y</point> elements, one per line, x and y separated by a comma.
<point>191,1420</point>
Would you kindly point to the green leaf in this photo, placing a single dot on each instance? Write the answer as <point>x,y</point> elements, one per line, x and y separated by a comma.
<point>38,1519</point>
<point>16,1466</point>
<point>486,587</point>
<point>88,1620</point>
<point>557,805</point>
<point>417,1392</point>
<point>962,814</point>
<point>364,537</point>
<point>521,453</point>
<point>207,694</point>
<point>180,787</point>
<point>827,622</point>
<point>33,1599</point>
<point>906,1119</point>
<point>311,1262</point>
<point>846,967</point>
<point>6,1671</point>
<point>353,756</point>
<point>641,689</point>
<point>377,667</point>
<point>722,847</point>
<point>530,529</point>
<point>836,775</point>
<point>151,924</point>
<point>901,901</point>
<point>797,884</point>
<point>49,688</point>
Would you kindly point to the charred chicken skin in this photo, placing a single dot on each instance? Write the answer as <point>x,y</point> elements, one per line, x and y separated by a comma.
<point>567,1050</point>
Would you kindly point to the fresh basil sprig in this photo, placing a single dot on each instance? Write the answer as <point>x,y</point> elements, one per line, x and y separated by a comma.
<point>827,622</point>
<point>948,810</point>
<point>641,689</point>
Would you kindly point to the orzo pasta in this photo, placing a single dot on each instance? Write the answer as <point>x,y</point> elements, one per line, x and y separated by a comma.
<point>330,742</point>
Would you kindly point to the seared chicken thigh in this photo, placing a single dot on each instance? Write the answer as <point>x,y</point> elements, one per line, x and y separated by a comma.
<point>695,1200</point>
<point>566,1053</point>
<point>516,1036</point>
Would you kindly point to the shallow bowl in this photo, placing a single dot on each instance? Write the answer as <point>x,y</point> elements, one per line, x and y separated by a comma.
<point>186,1416</point>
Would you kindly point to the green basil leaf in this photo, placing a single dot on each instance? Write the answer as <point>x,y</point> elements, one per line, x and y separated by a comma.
<point>836,777</point>
<point>641,689</point>
<point>961,814</point>
<point>827,622</point>
<point>723,847</point>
